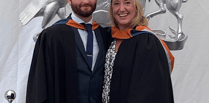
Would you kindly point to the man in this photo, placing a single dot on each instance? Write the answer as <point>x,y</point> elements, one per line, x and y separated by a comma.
<point>68,60</point>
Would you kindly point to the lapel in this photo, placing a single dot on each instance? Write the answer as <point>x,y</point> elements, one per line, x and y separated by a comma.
<point>101,47</point>
<point>80,45</point>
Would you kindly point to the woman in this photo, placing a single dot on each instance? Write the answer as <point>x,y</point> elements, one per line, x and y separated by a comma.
<point>137,62</point>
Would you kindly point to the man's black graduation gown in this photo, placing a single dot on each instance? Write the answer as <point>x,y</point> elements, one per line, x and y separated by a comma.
<point>141,72</point>
<point>53,72</point>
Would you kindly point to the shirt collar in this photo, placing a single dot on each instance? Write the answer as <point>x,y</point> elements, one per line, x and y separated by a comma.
<point>78,20</point>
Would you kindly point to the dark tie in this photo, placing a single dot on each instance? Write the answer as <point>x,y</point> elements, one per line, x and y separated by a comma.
<point>89,47</point>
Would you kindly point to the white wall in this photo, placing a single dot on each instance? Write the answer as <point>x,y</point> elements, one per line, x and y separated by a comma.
<point>190,76</point>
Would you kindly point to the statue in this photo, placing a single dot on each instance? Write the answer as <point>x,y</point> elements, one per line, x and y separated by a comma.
<point>101,14</point>
<point>49,8</point>
<point>46,8</point>
<point>177,41</point>
<point>143,3</point>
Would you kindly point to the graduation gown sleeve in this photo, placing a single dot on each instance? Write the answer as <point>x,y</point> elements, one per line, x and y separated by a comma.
<point>53,74</point>
<point>37,86</point>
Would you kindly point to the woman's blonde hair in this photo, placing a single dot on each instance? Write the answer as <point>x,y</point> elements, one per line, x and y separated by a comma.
<point>139,19</point>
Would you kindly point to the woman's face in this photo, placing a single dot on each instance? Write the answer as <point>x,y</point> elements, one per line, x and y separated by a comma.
<point>123,12</point>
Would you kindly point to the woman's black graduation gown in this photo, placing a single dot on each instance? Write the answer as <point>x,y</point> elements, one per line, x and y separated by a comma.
<point>141,73</point>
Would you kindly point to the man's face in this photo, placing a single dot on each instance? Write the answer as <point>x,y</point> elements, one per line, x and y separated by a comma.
<point>83,8</point>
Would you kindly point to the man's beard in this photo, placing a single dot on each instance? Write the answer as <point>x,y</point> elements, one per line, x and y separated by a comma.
<point>76,9</point>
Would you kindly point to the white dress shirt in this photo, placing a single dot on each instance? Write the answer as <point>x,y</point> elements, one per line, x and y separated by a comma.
<point>83,34</point>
